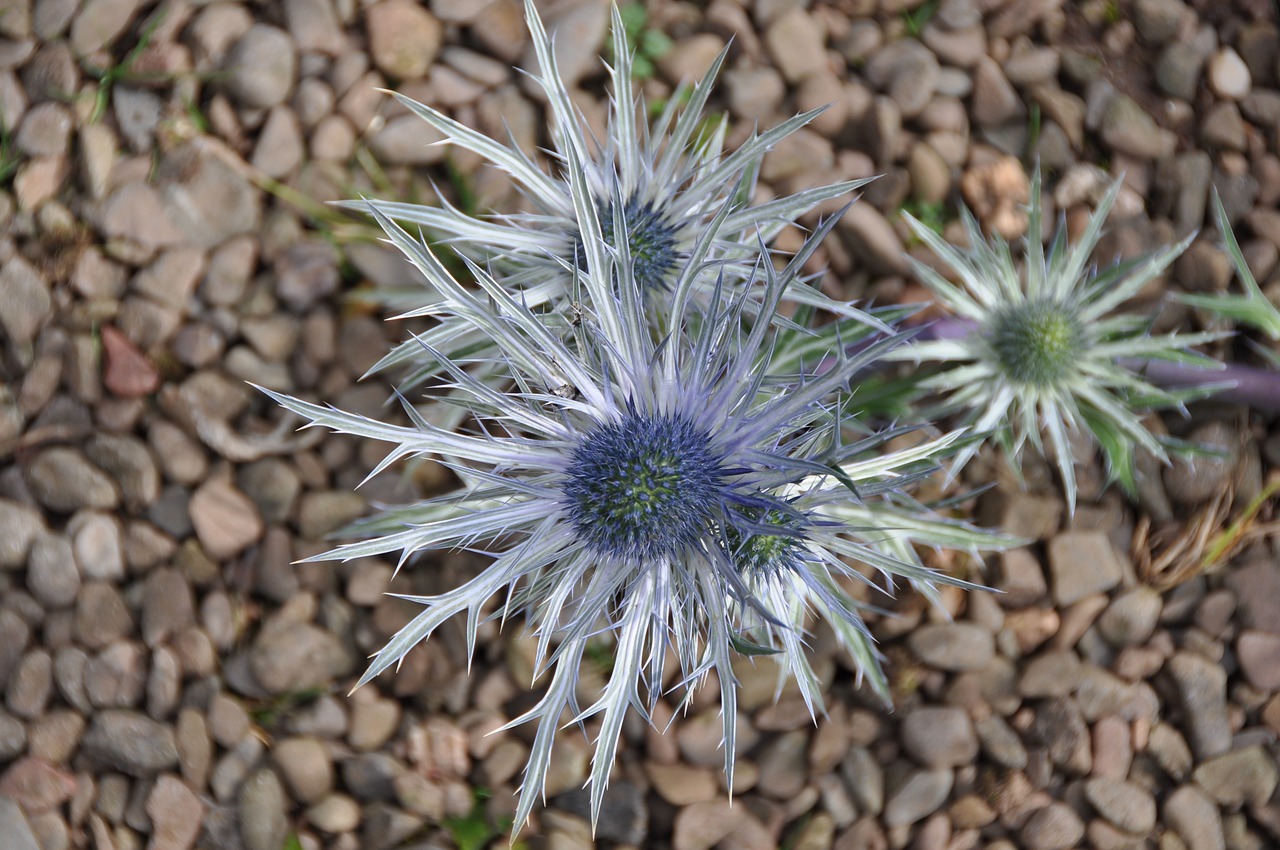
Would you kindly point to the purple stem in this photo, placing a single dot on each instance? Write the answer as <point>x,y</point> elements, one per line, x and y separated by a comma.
<point>1255,388</point>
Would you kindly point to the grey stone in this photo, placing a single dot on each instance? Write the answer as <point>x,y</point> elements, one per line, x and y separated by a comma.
<point>1127,128</point>
<point>262,67</point>
<point>208,200</point>
<point>45,130</point>
<point>15,828</point>
<point>1195,818</point>
<point>1131,617</point>
<point>952,647</point>
<point>62,479</point>
<point>138,113</point>
<point>128,461</point>
<point>1050,674</point>
<point>920,795</point>
<point>1201,688</point>
<point>291,656</point>
<point>52,576</point>
<point>1158,21</point>
<point>28,303</point>
<point>101,615</point>
<point>1238,778</point>
<point>872,240</point>
<point>624,814</point>
<point>20,526</point>
<point>168,606</point>
<point>261,807</point>
<point>1054,827</point>
<point>1128,806</point>
<point>939,737</point>
<point>30,685</point>
<point>1082,563</point>
<point>1196,479</point>
<point>306,767</point>
<point>129,742</point>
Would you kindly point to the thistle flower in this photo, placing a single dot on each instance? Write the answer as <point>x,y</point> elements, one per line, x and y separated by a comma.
<point>1042,350</point>
<point>666,490</point>
<point>665,183</point>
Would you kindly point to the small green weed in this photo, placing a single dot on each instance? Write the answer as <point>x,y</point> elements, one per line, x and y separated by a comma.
<point>647,44</point>
<point>916,18</point>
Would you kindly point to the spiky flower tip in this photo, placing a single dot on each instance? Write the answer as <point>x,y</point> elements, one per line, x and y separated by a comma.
<point>1046,353</point>
<point>671,495</point>
<point>665,183</point>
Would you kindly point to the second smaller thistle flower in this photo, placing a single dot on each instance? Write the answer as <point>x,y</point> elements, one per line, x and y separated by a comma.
<point>1039,351</point>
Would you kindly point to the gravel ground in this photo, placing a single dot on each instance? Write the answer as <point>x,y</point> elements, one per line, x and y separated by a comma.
<point>171,680</point>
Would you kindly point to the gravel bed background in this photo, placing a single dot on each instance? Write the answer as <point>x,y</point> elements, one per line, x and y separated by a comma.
<point>172,680</point>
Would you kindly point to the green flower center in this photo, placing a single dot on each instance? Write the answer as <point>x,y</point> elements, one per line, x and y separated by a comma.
<point>1036,343</point>
<point>762,554</point>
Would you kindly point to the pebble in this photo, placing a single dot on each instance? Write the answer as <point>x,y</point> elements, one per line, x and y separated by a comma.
<point>1054,827</point>
<point>176,813</point>
<point>305,765</point>
<point>1128,806</point>
<point>260,807</point>
<point>1001,743</point>
<point>404,38</point>
<point>334,814</point>
<point>682,784</point>
<point>314,26</point>
<point>908,72</point>
<point>1050,674</point>
<point>691,58</point>
<point>262,66</point>
<point>872,240</point>
<point>994,100</point>
<point>1081,564</point>
<point>701,826</point>
<point>920,795</point>
<point>15,828</point>
<point>1259,657</point>
<point>13,736</point>
<point>167,606</point>
<point>954,647</point>
<point>796,44</point>
<point>783,765</point>
<point>1228,75</point>
<point>290,656</point>
<point>45,130</point>
<point>36,785</point>
<point>1131,617</point>
<point>1201,688</point>
<point>101,615</point>
<point>52,576</point>
<point>1195,818</point>
<point>97,546</point>
<point>20,527</point>
<point>1126,128</point>
<point>373,722</point>
<point>1238,778</point>
<point>1193,480</point>
<point>226,521</point>
<point>939,737</point>
<point>30,685</point>
<point>129,742</point>
<point>62,479</point>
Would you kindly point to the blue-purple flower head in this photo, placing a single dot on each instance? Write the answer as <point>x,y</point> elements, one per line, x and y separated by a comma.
<point>677,490</point>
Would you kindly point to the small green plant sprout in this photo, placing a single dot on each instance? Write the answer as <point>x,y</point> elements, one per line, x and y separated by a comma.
<point>1253,308</point>
<point>647,44</point>
<point>916,18</point>
<point>1037,352</point>
<point>122,71</point>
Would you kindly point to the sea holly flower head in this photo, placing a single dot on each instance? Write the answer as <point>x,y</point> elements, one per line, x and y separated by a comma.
<point>676,490</point>
<point>664,184</point>
<point>1040,352</point>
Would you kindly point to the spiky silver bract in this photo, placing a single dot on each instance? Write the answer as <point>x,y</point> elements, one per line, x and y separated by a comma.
<point>627,477</point>
<point>1046,355</point>
<point>667,183</point>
